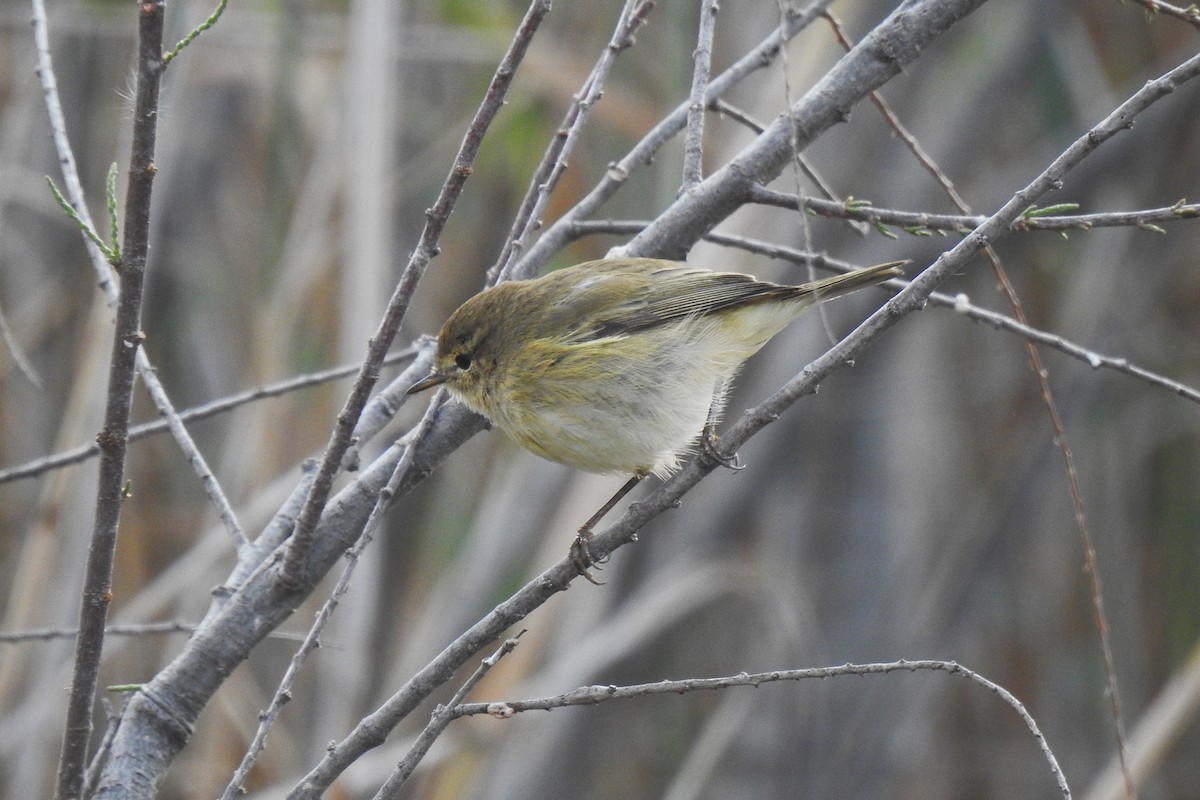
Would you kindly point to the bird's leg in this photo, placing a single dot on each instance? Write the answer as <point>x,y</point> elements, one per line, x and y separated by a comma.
<point>580,553</point>
<point>708,434</point>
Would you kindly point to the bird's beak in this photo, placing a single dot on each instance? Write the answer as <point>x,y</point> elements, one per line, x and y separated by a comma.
<point>434,378</point>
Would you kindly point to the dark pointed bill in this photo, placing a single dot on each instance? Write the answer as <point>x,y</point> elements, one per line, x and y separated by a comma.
<point>429,381</point>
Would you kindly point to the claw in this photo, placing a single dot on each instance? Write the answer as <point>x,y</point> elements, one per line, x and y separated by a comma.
<point>708,444</point>
<point>581,556</point>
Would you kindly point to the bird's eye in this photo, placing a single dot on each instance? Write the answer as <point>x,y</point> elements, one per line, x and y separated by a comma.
<point>463,361</point>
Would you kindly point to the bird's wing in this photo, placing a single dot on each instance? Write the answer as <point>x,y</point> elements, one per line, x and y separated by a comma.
<point>617,299</point>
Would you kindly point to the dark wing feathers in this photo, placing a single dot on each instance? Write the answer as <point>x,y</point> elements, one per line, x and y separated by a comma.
<point>688,291</point>
<point>651,293</point>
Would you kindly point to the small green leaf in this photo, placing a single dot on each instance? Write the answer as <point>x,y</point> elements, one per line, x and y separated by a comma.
<point>1034,212</point>
<point>73,215</point>
<point>110,193</point>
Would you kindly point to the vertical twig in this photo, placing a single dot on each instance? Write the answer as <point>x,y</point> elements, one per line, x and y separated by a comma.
<point>127,339</point>
<point>799,168</point>
<point>693,142</point>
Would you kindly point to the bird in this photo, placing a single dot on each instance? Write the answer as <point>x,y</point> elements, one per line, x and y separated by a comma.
<point>620,365</point>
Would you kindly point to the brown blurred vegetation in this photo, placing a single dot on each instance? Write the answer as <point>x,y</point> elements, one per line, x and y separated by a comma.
<point>916,507</point>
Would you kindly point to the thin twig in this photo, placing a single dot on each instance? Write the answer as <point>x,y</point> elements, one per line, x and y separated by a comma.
<point>204,411</point>
<point>1042,376</point>
<point>127,340</point>
<point>18,354</point>
<point>554,160</point>
<point>138,629</point>
<point>798,169</point>
<point>442,716</point>
<point>594,695</point>
<point>693,140</point>
<point>925,224</point>
<point>130,629</point>
<point>435,221</point>
<point>112,723</point>
<point>909,140</point>
<point>1191,14</point>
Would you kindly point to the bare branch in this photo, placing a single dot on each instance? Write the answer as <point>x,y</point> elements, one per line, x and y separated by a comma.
<point>283,693</point>
<point>211,409</point>
<point>594,695</point>
<point>923,224</point>
<point>139,629</point>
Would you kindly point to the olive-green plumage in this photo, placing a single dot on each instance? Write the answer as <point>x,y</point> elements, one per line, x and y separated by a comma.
<point>616,365</point>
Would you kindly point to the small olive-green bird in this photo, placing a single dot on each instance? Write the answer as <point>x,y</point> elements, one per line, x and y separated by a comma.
<point>617,365</point>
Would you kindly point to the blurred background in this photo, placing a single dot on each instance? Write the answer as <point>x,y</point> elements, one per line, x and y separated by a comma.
<point>917,507</point>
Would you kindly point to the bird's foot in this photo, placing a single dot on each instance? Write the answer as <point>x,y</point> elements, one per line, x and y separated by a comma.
<point>708,446</point>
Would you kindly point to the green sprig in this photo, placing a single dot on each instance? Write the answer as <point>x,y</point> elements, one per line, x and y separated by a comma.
<point>199,29</point>
<point>111,254</point>
<point>1033,212</point>
<point>110,195</point>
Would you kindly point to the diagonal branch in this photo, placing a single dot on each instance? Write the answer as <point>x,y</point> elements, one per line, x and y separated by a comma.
<point>435,221</point>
